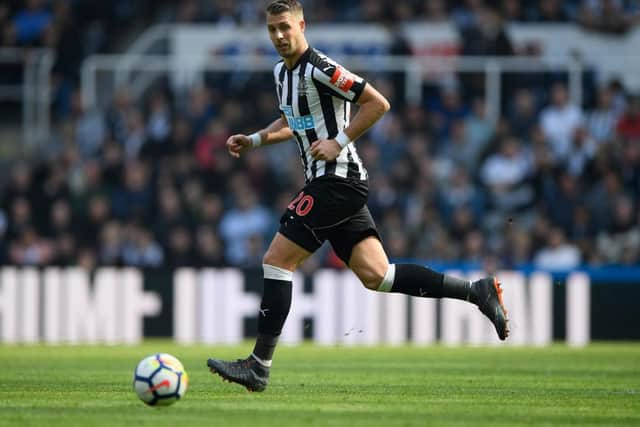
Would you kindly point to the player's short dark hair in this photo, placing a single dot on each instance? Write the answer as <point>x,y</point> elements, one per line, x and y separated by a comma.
<point>276,7</point>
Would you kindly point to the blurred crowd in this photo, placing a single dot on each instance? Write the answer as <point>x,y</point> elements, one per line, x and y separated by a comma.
<point>603,15</point>
<point>148,182</point>
<point>151,184</point>
<point>54,22</point>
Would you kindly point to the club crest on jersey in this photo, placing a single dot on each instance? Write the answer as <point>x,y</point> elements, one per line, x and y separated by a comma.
<point>302,87</point>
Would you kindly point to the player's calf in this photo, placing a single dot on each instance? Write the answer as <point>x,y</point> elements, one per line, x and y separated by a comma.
<point>419,281</point>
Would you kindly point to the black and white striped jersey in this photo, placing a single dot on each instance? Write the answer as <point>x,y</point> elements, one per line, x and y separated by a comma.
<point>315,97</point>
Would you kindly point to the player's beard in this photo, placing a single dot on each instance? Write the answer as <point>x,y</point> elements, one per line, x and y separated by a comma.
<point>285,51</point>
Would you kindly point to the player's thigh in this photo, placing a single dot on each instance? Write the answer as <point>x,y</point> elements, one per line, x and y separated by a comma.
<point>369,262</point>
<point>284,253</point>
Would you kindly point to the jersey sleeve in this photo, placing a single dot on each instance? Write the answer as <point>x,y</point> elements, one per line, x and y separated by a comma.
<point>334,79</point>
<point>277,80</point>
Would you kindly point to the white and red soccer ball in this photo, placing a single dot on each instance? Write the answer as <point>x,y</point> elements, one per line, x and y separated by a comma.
<point>160,380</point>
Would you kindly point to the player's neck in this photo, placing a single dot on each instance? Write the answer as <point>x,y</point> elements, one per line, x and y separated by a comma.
<point>292,61</point>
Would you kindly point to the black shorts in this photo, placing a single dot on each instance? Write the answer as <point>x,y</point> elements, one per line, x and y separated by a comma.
<point>329,208</point>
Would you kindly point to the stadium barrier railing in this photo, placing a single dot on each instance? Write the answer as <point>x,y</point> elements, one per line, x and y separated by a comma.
<point>31,89</point>
<point>102,76</point>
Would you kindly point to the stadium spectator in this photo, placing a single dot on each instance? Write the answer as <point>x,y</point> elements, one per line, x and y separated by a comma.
<point>181,139</point>
<point>459,149</point>
<point>581,233</point>
<point>516,250</point>
<point>245,220</point>
<point>557,254</point>
<point>506,174</point>
<point>474,248</point>
<point>629,125</point>
<point>20,218</point>
<point>223,12</point>
<point>389,137</point>
<point>90,127</point>
<point>603,196</point>
<point>192,192</point>
<point>559,121</point>
<point>5,24</point>
<point>180,248</point>
<point>562,199</point>
<point>446,109</point>
<point>30,249</point>
<point>459,192</point>
<point>53,186</point>
<point>97,215</point>
<point>581,152</point>
<point>60,219</point>
<point>607,16</point>
<point>435,10</point>
<point>544,163</point>
<point>64,36</point>
<point>211,210</point>
<point>479,128</point>
<point>465,15</point>
<point>487,38</point>
<point>629,166</point>
<point>199,109</point>
<point>169,213</point>
<point>158,119</point>
<point>513,10</point>
<point>118,115</point>
<point>619,96</point>
<point>550,11</point>
<point>136,134</point>
<point>31,22</point>
<point>86,184</point>
<point>187,11</point>
<point>110,244</point>
<point>523,114</point>
<point>601,122</point>
<point>370,11</point>
<point>620,242</point>
<point>209,248</point>
<point>20,186</point>
<point>261,177</point>
<point>133,200</point>
<point>140,249</point>
<point>210,145</point>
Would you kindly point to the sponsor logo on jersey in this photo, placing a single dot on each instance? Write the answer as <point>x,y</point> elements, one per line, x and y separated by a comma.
<point>342,79</point>
<point>297,123</point>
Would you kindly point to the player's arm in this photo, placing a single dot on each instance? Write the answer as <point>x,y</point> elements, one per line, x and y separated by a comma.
<point>373,105</point>
<point>277,131</point>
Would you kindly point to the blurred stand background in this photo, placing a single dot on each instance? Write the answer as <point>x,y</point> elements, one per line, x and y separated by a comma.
<point>513,142</point>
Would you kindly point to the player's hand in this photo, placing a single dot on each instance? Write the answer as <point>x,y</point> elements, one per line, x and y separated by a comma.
<point>236,144</point>
<point>325,149</point>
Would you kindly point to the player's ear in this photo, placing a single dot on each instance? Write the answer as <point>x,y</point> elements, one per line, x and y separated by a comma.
<point>303,25</point>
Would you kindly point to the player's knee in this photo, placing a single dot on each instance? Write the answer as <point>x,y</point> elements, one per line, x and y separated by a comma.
<point>371,278</point>
<point>377,278</point>
<point>276,259</point>
<point>271,258</point>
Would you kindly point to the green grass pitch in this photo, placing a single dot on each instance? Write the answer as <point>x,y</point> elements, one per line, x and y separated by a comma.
<point>314,386</point>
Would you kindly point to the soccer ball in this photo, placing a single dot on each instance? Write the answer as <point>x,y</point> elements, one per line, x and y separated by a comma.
<point>160,379</point>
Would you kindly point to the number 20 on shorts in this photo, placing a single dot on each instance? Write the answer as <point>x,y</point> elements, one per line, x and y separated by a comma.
<point>302,204</point>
